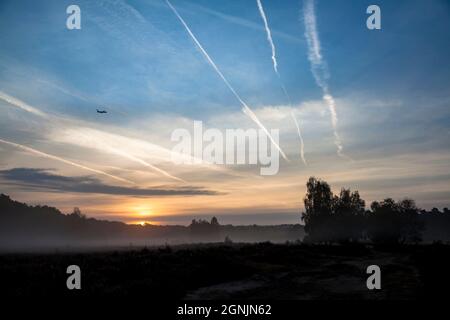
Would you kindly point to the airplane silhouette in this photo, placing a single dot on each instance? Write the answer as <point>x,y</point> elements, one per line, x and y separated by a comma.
<point>102,111</point>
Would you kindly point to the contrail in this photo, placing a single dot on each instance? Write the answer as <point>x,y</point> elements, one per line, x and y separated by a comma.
<point>21,105</point>
<point>49,156</point>
<point>272,46</point>
<point>275,68</point>
<point>319,67</point>
<point>144,163</point>
<point>111,143</point>
<point>245,108</point>
<point>302,145</point>
<point>269,36</point>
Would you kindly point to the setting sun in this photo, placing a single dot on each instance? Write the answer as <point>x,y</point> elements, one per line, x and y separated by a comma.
<point>141,223</point>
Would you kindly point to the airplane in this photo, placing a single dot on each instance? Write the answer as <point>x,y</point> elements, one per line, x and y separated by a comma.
<point>102,111</point>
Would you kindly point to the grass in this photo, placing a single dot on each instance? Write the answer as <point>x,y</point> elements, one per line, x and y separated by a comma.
<point>235,271</point>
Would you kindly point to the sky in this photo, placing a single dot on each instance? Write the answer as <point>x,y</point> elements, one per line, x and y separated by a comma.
<point>381,95</point>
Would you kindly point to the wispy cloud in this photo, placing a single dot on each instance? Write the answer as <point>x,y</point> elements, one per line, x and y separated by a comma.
<point>100,143</point>
<point>21,105</point>
<point>275,68</point>
<point>302,145</point>
<point>133,149</point>
<point>246,108</point>
<point>319,66</point>
<point>240,21</point>
<point>43,179</point>
<point>143,162</point>
<point>53,157</point>
<point>269,35</point>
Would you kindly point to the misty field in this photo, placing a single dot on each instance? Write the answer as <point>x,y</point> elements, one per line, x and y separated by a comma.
<point>235,271</point>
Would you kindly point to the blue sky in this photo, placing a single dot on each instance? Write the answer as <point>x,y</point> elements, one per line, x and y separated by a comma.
<point>135,59</point>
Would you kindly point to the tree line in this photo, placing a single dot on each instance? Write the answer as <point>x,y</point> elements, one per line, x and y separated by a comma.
<point>343,218</point>
<point>25,226</point>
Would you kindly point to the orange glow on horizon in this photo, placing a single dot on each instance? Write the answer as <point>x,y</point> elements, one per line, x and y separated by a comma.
<point>142,210</point>
<point>141,223</point>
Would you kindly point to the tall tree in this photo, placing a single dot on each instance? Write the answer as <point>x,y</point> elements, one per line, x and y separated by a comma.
<point>318,209</point>
<point>348,216</point>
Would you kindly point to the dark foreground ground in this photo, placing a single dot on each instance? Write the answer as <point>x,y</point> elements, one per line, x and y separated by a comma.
<point>236,271</point>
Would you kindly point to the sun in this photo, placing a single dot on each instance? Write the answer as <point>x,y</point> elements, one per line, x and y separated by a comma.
<point>140,223</point>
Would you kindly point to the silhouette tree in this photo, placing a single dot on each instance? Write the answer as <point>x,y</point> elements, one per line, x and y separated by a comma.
<point>332,218</point>
<point>348,216</point>
<point>318,210</point>
<point>412,227</point>
<point>394,222</point>
<point>202,229</point>
<point>214,221</point>
<point>343,218</point>
<point>77,213</point>
<point>435,211</point>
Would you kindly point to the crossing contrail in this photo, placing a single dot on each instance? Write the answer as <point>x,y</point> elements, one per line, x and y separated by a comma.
<point>319,67</point>
<point>114,144</point>
<point>101,145</point>
<point>49,156</point>
<point>246,109</point>
<point>143,162</point>
<point>275,68</point>
<point>302,145</point>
